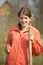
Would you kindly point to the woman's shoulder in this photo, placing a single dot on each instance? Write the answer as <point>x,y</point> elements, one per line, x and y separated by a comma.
<point>14,28</point>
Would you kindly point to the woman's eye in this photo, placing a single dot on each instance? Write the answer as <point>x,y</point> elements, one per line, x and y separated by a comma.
<point>25,18</point>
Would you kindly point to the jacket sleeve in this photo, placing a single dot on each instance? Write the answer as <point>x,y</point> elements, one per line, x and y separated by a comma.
<point>37,44</point>
<point>9,38</point>
<point>8,43</point>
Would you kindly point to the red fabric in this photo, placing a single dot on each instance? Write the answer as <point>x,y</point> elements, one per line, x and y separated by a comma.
<point>19,46</point>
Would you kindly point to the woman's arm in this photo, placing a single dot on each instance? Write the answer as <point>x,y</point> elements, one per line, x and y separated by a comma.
<point>8,43</point>
<point>37,44</point>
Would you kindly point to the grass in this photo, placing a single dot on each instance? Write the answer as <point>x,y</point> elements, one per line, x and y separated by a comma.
<point>2,53</point>
<point>38,60</point>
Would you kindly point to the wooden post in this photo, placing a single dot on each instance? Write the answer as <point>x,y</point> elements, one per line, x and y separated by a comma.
<point>30,45</point>
<point>30,51</point>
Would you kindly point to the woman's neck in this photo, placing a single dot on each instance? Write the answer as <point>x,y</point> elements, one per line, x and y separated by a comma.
<point>24,29</point>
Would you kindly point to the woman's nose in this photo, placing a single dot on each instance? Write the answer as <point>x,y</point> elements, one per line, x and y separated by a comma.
<point>23,20</point>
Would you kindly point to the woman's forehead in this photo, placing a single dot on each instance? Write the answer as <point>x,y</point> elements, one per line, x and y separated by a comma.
<point>25,16</point>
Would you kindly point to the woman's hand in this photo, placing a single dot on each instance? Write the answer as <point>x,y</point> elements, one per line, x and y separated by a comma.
<point>7,48</point>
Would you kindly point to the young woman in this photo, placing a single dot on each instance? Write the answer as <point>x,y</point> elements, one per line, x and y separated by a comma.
<point>17,45</point>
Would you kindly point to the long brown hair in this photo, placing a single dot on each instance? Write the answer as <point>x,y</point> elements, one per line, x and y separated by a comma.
<point>26,11</point>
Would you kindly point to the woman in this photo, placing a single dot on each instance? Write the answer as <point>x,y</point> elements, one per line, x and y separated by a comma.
<point>17,45</point>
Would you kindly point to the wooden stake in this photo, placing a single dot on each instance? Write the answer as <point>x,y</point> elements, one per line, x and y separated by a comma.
<point>30,46</point>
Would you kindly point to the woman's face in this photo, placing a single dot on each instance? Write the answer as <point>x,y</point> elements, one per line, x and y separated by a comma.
<point>24,20</point>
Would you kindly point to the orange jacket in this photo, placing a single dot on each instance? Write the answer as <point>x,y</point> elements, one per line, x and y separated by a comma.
<point>19,46</point>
